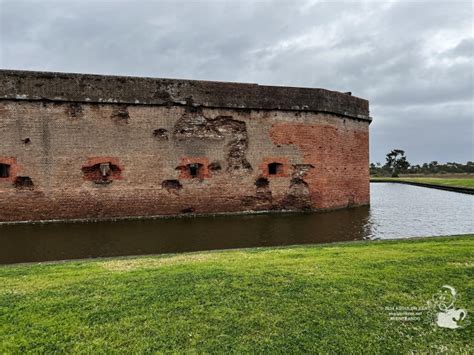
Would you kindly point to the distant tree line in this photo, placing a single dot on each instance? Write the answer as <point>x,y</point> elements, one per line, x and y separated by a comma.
<point>396,163</point>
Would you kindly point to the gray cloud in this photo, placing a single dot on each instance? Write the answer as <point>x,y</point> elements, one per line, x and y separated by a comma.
<point>412,59</point>
<point>465,49</point>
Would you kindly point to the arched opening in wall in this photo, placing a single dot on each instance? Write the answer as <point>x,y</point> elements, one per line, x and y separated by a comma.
<point>4,170</point>
<point>275,168</point>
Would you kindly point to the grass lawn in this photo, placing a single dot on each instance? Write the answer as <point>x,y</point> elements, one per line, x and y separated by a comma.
<point>300,299</point>
<point>467,182</point>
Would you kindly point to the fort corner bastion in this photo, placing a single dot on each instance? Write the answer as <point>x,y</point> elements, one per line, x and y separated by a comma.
<point>76,146</point>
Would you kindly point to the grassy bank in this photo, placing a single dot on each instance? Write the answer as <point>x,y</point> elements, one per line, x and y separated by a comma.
<point>296,299</point>
<point>467,182</point>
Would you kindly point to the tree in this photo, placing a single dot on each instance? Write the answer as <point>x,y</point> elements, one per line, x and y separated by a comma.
<point>396,162</point>
<point>372,169</point>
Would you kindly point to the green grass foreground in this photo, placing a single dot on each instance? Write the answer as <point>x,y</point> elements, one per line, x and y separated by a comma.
<point>324,298</point>
<point>467,182</point>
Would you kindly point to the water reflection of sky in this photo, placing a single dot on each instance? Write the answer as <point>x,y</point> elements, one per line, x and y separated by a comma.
<point>400,211</point>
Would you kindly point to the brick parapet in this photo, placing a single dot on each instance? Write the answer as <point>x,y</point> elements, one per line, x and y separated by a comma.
<point>69,87</point>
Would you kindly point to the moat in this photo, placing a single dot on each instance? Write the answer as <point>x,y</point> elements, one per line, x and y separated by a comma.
<point>397,211</point>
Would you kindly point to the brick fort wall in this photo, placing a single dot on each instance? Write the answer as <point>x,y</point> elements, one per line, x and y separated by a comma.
<point>94,147</point>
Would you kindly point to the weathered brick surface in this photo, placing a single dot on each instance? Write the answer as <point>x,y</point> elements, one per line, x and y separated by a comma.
<point>60,145</point>
<point>16,84</point>
<point>339,154</point>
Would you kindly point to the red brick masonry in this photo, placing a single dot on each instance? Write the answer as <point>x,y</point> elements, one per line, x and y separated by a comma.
<point>94,147</point>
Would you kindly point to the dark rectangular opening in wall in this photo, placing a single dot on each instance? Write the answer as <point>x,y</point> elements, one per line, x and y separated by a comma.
<point>4,170</point>
<point>193,170</point>
<point>274,168</point>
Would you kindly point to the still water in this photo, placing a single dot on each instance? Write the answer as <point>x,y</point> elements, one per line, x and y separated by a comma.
<point>396,211</point>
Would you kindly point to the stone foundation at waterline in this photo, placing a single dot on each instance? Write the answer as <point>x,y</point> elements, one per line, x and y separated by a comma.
<point>79,146</point>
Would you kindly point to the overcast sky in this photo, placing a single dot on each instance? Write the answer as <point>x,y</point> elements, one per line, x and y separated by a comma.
<point>413,60</point>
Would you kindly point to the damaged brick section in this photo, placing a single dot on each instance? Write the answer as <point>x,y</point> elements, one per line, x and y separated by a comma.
<point>74,110</point>
<point>23,183</point>
<point>214,166</point>
<point>263,199</point>
<point>172,186</point>
<point>102,170</point>
<point>298,196</point>
<point>121,115</point>
<point>161,134</point>
<point>188,210</point>
<point>263,191</point>
<point>301,170</point>
<point>194,125</point>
